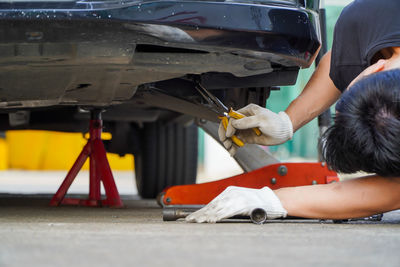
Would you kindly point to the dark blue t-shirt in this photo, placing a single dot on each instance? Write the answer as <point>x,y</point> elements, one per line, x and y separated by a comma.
<point>363,29</point>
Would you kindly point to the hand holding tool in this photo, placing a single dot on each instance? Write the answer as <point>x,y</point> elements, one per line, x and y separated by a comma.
<point>224,113</point>
<point>236,115</point>
<point>276,128</point>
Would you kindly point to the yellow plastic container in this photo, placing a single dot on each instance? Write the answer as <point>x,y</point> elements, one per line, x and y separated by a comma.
<point>43,150</point>
<point>3,154</point>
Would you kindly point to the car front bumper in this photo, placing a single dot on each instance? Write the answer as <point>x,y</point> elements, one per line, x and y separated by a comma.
<point>97,53</point>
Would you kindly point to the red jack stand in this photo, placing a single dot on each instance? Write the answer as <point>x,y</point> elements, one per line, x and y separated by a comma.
<point>99,171</point>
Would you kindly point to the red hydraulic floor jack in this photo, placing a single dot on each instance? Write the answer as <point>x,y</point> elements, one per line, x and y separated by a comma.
<point>99,172</point>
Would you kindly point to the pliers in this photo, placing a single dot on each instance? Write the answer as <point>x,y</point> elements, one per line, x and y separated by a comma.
<point>223,112</point>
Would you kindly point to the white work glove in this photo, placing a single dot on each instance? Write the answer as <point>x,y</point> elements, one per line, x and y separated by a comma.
<point>239,201</point>
<point>276,128</point>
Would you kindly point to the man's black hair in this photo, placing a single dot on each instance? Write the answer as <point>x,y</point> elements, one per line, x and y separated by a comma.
<point>366,133</point>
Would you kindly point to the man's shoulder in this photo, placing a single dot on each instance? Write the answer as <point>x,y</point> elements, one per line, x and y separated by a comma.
<point>357,9</point>
<point>366,13</point>
<point>363,7</point>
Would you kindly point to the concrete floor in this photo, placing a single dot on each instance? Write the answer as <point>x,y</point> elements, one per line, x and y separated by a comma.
<point>33,234</point>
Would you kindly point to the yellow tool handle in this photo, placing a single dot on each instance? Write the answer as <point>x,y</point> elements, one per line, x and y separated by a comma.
<point>237,141</point>
<point>224,120</point>
<point>234,138</point>
<point>237,116</point>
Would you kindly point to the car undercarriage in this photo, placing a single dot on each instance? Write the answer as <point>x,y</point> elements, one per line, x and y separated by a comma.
<point>139,61</point>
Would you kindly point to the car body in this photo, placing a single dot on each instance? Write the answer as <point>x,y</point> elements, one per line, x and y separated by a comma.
<point>140,62</point>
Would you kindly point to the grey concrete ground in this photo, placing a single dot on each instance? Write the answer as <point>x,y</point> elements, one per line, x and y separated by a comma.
<point>33,234</point>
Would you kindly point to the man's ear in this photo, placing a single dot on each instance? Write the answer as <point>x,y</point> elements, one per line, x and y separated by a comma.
<point>377,67</point>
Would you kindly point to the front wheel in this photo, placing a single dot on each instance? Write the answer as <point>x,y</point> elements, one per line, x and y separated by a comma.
<point>168,156</point>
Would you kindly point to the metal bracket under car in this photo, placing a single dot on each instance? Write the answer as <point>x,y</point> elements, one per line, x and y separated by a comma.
<point>250,157</point>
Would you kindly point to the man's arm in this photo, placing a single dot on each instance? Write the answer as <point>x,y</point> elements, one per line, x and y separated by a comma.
<point>356,198</point>
<point>349,199</point>
<point>318,95</point>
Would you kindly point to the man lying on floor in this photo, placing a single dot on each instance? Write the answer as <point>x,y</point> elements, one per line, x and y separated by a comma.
<point>363,70</point>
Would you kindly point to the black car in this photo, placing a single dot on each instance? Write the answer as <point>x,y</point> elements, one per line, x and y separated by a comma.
<point>140,61</point>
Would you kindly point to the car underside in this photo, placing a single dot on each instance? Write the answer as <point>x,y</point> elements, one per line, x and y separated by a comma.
<point>140,61</point>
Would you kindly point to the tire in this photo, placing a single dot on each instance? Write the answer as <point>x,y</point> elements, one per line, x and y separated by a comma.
<point>168,156</point>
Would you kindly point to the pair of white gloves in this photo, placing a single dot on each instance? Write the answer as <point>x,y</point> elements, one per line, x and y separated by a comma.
<point>276,128</point>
